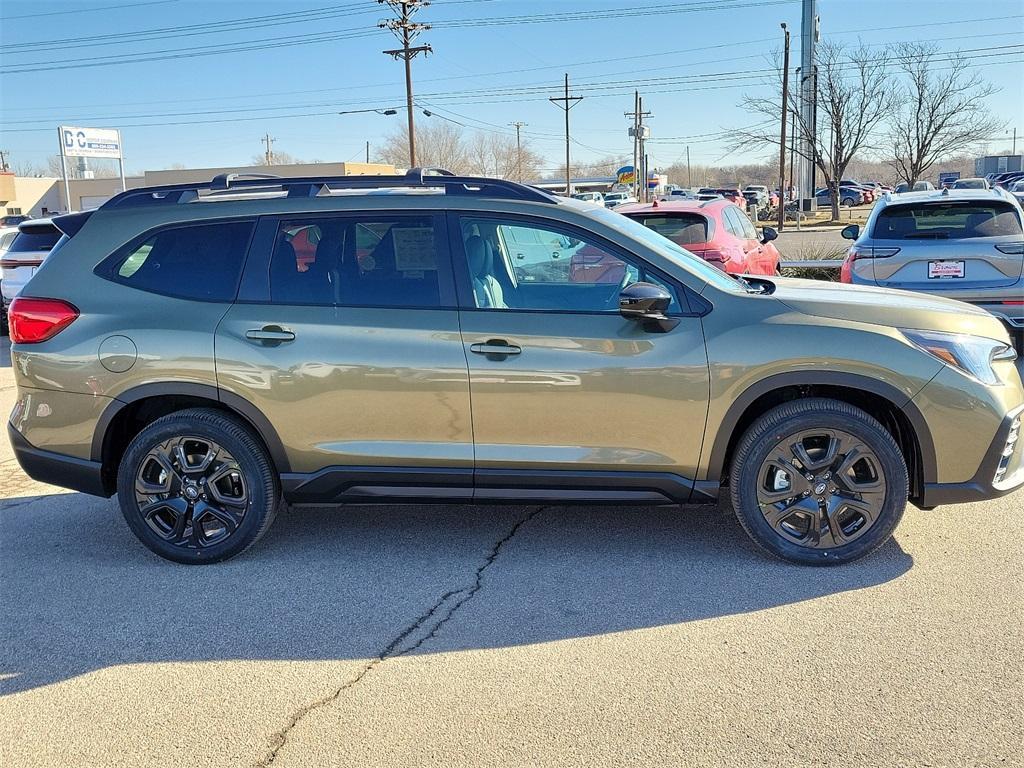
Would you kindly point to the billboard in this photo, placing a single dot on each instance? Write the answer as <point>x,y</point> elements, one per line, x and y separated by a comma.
<point>90,142</point>
<point>625,175</point>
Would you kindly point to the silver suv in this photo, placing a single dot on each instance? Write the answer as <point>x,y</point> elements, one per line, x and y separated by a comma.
<point>965,244</point>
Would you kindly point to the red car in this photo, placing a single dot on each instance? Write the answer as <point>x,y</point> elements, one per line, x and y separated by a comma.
<point>719,231</point>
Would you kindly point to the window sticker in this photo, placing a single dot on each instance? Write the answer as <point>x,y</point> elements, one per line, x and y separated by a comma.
<point>414,249</point>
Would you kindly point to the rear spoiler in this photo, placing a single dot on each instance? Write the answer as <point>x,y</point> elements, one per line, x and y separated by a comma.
<point>70,223</point>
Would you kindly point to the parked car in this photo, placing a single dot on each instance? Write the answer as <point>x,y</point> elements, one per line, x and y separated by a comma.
<point>718,231</point>
<point>919,186</point>
<point>771,197</point>
<point>1017,190</point>
<point>679,194</point>
<point>12,220</point>
<point>172,349</point>
<point>590,197</point>
<point>7,235</point>
<point>848,196</point>
<point>970,184</point>
<point>964,244</point>
<point>25,254</point>
<point>613,199</point>
<point>868,191</point>
<point>1005,180</point>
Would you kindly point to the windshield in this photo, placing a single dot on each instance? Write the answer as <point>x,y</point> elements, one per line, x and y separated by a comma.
<point>668,249</point>
<point>35,239</point>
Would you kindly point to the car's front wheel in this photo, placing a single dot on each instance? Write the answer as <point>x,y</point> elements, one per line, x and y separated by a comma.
<point>197,486</point>
<point>819,482</point>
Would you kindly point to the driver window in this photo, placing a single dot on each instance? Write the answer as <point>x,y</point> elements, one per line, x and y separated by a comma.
<point>528,266</point>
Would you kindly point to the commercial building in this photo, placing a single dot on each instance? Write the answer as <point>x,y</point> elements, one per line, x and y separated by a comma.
<point>42,196</point>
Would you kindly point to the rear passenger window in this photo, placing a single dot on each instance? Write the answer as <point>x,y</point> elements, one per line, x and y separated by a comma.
<point>196,262</point>
<point>370,262</point>
<point>947,220</point>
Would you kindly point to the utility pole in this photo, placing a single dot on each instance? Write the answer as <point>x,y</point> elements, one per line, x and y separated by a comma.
<point>1012,152</point>
<point>519,125</point>
<point>792,145</point>
<point>407,31</point>
<point>689,176</point>
<point>367,153</point>
<point>808,100</point>
<point>566,103</point>
<point>638,132</point>
<point>782,139</point>
<point>3,161</point>
<point>269,154</point>
<point>636,144</point>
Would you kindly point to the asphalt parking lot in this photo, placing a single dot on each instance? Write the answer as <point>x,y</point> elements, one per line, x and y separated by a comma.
<point>502,636</point>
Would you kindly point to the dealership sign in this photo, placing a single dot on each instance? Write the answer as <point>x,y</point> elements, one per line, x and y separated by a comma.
<point>90,142</point>
<point>626,175</point>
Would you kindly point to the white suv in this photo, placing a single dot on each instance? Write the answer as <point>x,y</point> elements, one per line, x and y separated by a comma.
<point>35,239</point>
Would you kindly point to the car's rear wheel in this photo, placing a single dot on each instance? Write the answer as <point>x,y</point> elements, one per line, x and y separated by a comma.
<point>818,482</point>
<point>848,202</point>
<point>197,486</point>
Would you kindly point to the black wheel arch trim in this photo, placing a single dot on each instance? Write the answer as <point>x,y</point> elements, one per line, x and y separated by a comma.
<point>897,398</point>
<point>236,404</point>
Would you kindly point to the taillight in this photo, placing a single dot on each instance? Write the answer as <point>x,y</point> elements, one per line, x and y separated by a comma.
<point>1012,249</point>
<point>34,320</point>
<point>864,252</point>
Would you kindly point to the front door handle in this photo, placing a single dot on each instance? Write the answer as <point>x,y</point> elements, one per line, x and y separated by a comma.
<point>496,347</point>
<point>270,335</point>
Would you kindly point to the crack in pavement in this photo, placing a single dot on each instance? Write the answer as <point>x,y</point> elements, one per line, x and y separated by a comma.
<point>456,598</point>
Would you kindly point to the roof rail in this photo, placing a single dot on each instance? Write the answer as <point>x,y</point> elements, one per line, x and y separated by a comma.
<point>224,180</point>
<point>312,186</point>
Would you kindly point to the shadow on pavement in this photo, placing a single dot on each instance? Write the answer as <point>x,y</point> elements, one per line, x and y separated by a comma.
<point>78,593</point>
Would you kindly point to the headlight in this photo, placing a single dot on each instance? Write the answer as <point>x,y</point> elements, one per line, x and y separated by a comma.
<point>973,355</point>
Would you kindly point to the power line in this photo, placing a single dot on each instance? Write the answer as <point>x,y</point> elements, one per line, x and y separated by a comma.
<point>93,9</point>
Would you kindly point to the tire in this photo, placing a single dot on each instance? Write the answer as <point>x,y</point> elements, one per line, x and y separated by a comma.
<point>848,202</point>
<point>854,501</point>
<point>198,462</point>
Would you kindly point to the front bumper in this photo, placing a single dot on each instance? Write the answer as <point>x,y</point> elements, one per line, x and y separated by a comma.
<point>56,468</point>
<point>1001,472</point>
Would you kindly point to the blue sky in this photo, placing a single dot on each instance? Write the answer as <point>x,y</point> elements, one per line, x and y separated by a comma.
<point>312,58</point>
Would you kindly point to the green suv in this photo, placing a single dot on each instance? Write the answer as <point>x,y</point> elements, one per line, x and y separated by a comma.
<point>212,352</point>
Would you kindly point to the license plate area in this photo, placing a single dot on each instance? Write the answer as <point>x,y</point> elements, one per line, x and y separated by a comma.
<point>945,270</point>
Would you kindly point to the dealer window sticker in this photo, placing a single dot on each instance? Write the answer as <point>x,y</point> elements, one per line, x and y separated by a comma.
<point>414,249</point>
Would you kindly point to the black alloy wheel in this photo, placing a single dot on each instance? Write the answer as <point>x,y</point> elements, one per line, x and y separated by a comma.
<point>197,486</point>
<point>818,481</point>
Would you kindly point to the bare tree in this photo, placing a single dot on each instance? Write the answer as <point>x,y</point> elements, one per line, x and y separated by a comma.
<point>939,110</point>
<point>438,144</point>
<point>494,154</point>
<point>276,158</point>
<point>26,168</point>
<point>81,168</point>
<point>854,95</point>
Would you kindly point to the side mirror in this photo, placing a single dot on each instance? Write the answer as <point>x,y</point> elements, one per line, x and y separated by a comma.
<point>851,232</point>
<point>768,234</point>
<point>647,304</point>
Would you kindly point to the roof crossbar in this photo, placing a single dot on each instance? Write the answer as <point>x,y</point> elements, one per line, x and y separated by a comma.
<point>233,184</point>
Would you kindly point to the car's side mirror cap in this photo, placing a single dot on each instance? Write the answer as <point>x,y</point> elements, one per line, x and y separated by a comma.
<point>647,303</point>
<point>851,232</point>
<point>768,234</point>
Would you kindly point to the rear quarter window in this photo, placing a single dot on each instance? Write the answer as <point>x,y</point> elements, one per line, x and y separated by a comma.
<point>202,261</point>
<point>947,221</point>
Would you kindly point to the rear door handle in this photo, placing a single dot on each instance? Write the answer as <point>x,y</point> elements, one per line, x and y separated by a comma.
<point>270,335</point>
<point>498,347</point>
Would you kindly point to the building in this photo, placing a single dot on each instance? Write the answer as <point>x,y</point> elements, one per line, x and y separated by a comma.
<point>43,196</point>
<point>998,164</point>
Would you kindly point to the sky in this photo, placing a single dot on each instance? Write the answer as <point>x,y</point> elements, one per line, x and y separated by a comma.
<point>288,67</point>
